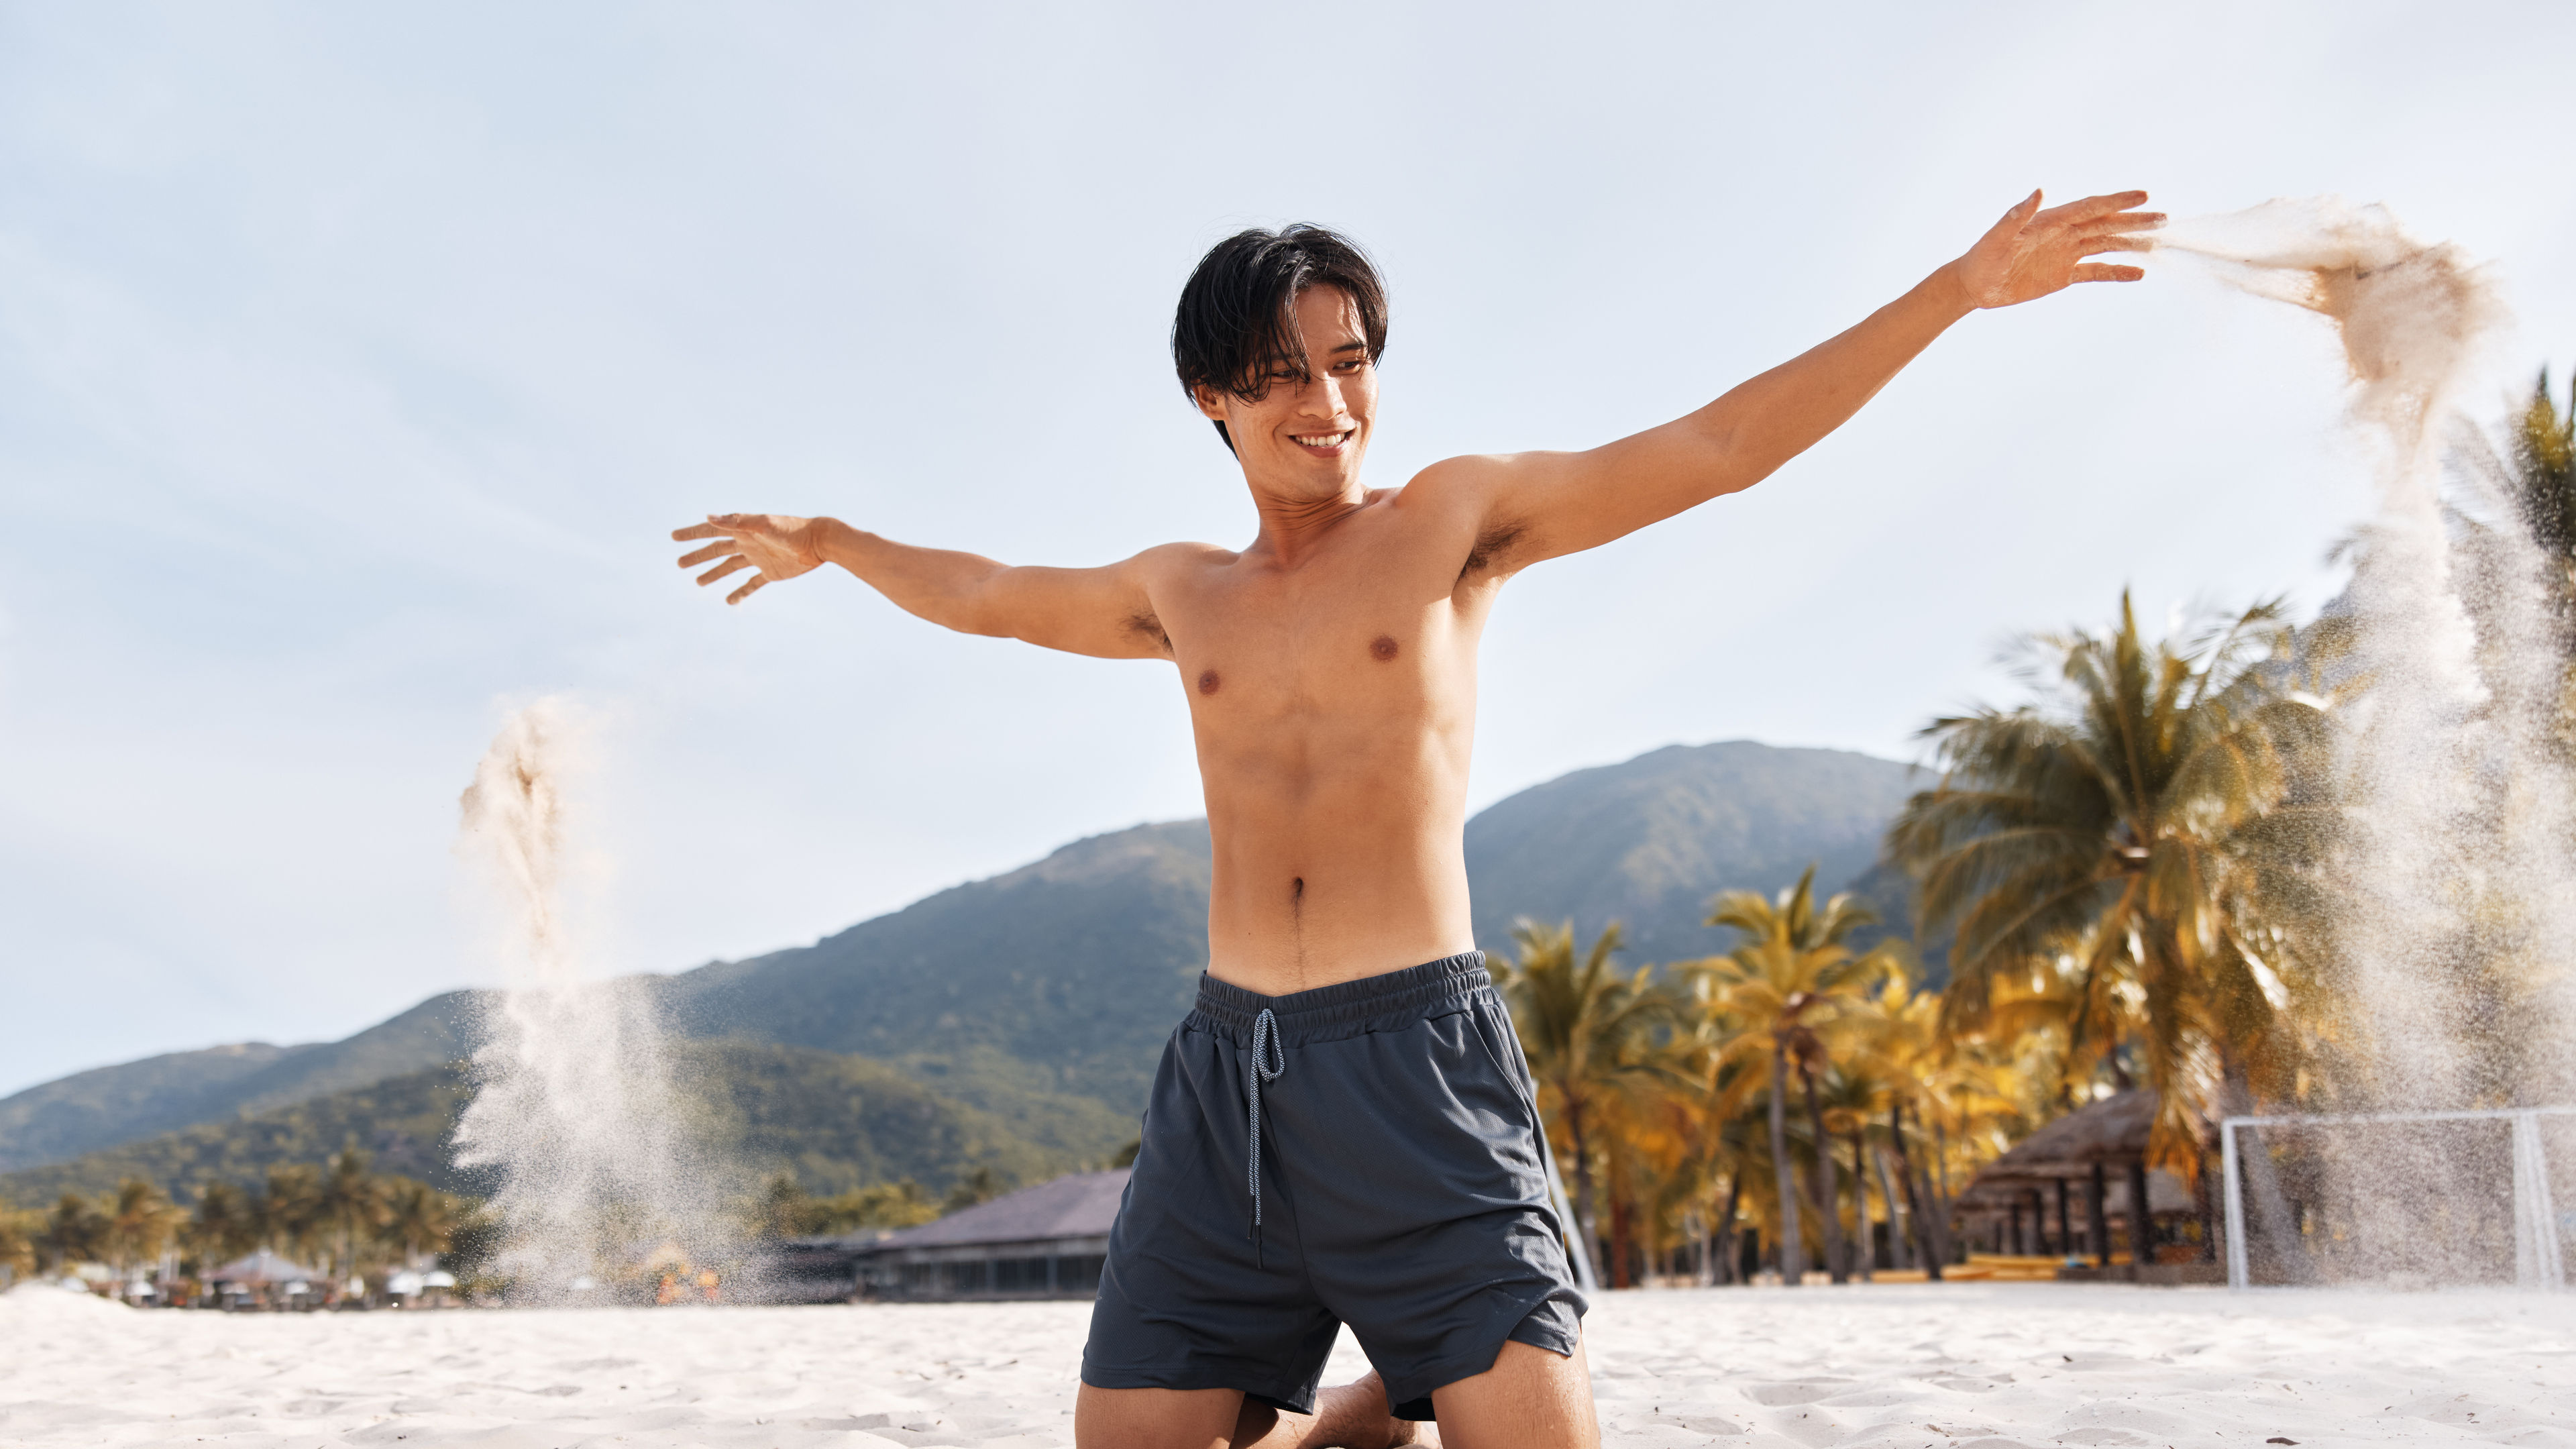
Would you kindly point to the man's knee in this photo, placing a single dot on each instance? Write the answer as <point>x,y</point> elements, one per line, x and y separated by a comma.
<point>1529,1397</point>
<point>1159,1418</point>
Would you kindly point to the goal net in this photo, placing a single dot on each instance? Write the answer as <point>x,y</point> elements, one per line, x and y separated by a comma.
<point>2405,1199</point>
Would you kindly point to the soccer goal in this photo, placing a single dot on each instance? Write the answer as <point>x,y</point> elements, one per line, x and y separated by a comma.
<point>2365,1188</point>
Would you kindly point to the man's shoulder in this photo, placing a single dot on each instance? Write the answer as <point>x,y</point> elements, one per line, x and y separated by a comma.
<point>1467,477</point>
<point>1166,558</point>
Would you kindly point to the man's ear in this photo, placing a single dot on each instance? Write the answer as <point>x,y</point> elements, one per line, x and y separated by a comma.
<point>1212,407</point>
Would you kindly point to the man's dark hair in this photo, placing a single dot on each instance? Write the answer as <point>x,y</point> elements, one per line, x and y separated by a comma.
<point>1238,315</point>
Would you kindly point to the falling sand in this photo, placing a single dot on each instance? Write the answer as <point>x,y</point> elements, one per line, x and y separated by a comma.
<point>600,1186</point>
<point>2457,901</point>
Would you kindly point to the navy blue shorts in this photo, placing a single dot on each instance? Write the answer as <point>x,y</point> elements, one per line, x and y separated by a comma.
<point>1403,1190</point>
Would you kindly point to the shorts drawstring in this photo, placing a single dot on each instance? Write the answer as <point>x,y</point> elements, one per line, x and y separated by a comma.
<point>1265,1050</point>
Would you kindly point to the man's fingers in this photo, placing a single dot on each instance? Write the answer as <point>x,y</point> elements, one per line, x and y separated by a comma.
<point>718,549</point>
<point>2093,208</point>
<point>747,590</point>
<point>697,530</point>
<point>2124,221</point>
<point>2114,243</point>
<point>733,565</point>
<point>2106,272</point>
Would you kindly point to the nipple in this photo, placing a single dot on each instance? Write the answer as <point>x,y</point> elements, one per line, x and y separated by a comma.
<point>1208,681</point>
<point>1382,648</point>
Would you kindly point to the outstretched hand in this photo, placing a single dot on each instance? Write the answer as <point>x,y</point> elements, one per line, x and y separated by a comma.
<point>779,546</point>
<point>2031,253</point>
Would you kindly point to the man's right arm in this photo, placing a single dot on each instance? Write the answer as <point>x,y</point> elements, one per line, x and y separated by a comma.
<point>1104,612</point>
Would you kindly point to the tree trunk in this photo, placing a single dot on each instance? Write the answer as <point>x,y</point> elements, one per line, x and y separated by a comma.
<point>2200,1196</point>
<point>1827,1191</point>
<point>1925,1243</point>
<point>2142,1218</point>
<point>1583,1203</point>
<point>1899,1218</point>
<point>2097,1218</point>
<point>1793,1256</point>
<point>1726,1233</point>
<point>1621,1210</point>
<point>1865,1261</point>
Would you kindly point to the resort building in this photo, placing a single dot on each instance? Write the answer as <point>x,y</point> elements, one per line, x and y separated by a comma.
<point>1046,1241</point>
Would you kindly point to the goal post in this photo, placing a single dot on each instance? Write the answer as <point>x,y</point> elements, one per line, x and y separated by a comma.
<point>2538,1259</point>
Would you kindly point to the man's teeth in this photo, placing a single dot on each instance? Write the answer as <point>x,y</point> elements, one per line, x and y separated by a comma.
<point>1324,440</point>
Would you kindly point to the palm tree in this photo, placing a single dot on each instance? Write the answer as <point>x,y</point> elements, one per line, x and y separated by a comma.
<point>1585,1028</point>
<point>74,1232</point>
<point>417,1220</point>
<point>1724,1083</point>
<point>18,1232</point>
<point>2152,825</point>
<point>1782,980</point>
<point>1895,1031</point>
<point>1852,1094</point>
<point>222,1227</point>
<point>288,1212</point>
<point>140,1222</point>
<point>976,1185</point>
<point>348,1202</point>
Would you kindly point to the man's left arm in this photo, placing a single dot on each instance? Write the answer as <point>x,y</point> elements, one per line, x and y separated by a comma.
<point>1543,505</point>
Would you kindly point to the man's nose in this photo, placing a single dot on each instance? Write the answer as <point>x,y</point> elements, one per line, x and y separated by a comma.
<point>1325,396</point>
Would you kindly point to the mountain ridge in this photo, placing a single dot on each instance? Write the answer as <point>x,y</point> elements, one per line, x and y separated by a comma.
<point>1061,978</point>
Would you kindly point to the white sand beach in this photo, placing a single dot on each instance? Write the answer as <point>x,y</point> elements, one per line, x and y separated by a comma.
<point>1951,1366</point>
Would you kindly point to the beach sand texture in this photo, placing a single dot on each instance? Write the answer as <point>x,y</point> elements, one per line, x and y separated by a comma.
<point>1984,1365</point>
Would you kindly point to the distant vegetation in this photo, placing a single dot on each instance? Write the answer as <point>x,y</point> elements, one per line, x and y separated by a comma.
<point>2106,855</point>
<point>835,1123</point>
<point>339,1218</point>
<point>2131,873</point>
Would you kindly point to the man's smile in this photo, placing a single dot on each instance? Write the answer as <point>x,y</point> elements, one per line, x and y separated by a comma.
<point>1323,442</point>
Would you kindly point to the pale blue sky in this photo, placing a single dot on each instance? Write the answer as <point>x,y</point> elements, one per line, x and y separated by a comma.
<point>354,362</point>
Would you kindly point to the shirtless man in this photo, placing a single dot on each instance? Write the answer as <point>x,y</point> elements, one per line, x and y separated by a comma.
<point>1336,1134</point>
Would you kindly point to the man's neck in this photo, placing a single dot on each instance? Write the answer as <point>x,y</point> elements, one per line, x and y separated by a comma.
<point>1293,527</point>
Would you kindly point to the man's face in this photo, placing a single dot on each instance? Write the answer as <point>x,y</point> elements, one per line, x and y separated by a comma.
<point>1305,437</point>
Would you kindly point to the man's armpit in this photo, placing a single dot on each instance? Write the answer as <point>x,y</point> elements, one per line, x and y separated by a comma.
<point>1148,628</point>
<point>1493,548</point>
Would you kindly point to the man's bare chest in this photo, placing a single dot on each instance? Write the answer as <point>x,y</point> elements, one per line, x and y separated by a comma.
<point>1365,633</point>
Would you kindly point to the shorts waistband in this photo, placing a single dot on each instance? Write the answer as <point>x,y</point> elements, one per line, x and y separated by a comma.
<point>1388,1002</point>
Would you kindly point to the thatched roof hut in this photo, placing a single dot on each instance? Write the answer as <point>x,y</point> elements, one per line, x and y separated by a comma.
<point>2090,1162</point>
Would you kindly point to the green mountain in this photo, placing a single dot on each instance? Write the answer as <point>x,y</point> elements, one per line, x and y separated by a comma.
<point>1038,996</point>
<point>834,1121</point>
<point>80,1113</point>
<point>403,1121</point>
<point>1649,841</point>
<point>1074,969</point>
